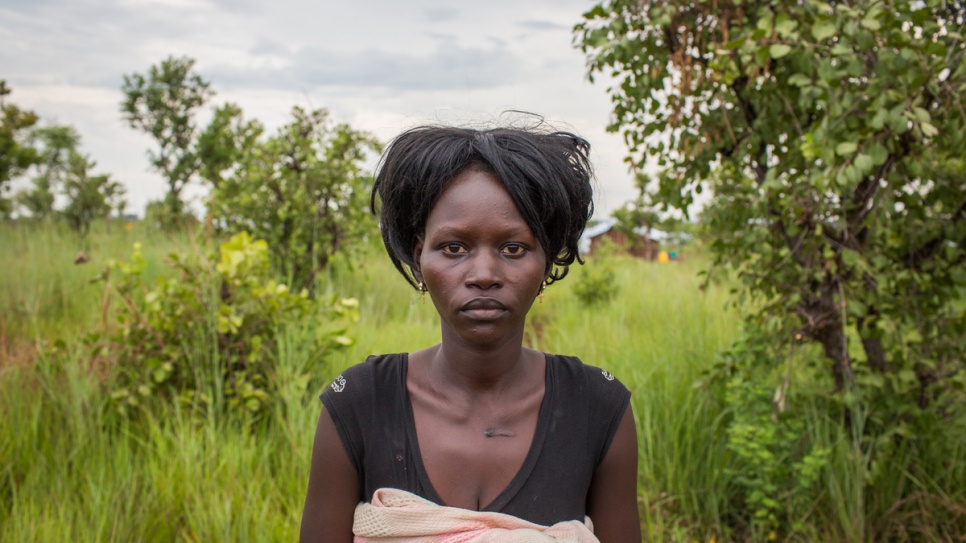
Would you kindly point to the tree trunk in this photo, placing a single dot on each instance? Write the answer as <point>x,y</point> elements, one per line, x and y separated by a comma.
<point>823,322</point>
<point>834,343</point>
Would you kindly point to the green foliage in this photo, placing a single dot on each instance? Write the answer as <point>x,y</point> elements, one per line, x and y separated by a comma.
<point>158,216</point>
<point>54,145</point>
<point>38,200</point>
<point>228,139</point>
<point>818,133</point>
<point>597,284</point>
<point>89,197</point>
<point>832,137</point>
<point>163,104</point>
<point>44,297</point>
<point>229,313</point>
<point>16,155</point>
<point>302,190</point>
<point>62,169</point>
<point>69,469</point>
<point>776,467</point>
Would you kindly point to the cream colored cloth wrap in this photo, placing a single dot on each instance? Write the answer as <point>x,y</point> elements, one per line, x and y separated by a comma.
<point>397,516</point>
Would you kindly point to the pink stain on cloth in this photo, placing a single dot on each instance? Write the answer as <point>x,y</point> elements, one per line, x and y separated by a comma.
<point>397,516</point>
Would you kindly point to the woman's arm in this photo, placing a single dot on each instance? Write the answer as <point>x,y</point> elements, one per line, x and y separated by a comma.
<point>333,489</point>
<point>612,500</point>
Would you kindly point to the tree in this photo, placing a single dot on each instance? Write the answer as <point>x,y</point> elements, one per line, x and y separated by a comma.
<point>832,136</point>
<point>89,197</point>
<point>226,140</point>
<point>163,104</point>
<point>54,145</point>
<point>302,190</point>
<point>15,154</point>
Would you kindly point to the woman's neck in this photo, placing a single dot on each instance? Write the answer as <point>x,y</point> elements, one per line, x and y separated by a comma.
<point>481,369</point>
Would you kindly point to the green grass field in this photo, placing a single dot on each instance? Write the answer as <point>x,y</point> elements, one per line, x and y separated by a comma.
<point>69,470</point>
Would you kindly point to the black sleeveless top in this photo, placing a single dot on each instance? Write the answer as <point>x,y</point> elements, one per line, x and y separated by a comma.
<point>581,410</point>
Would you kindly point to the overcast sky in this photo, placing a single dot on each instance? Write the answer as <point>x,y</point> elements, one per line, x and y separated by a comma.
<point>380,65</point>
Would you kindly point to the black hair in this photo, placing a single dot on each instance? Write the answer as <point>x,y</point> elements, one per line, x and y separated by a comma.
<point>548,175</point>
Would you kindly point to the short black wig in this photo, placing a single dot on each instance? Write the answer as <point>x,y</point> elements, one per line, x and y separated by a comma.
<point>548,175</point>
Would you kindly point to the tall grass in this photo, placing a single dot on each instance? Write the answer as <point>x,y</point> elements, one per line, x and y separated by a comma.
<point>70,469</point>
<point>44,295</point>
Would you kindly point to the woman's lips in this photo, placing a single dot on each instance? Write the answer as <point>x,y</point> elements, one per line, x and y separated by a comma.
<point>483,308</point>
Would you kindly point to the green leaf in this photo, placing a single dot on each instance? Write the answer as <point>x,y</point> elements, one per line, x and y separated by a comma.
<point>779,50</point>
<point>879,119</point>
<point>785,24</point>
<point>761,56</point>
<point>863,162</point>
<point>845,148</point>
<point>823,29</point>
<point>908,377</point>
<point>874,380</point>
<point>920,16</point>
<point>852,174</point>
<point>929,130</point>
<point>765,23</point>
<point>824,8</point>
<point>878,153</point>
<point>800,80</point>
<point>850,258</point>
<point>827,73</point>
<point>841,49</point>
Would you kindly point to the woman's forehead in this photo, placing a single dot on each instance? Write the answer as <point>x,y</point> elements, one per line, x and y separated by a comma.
<point>474,189</point>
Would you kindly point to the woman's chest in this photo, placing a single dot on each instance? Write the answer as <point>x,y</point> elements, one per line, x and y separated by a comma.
<point>539,470</point>
<point>471,461</point>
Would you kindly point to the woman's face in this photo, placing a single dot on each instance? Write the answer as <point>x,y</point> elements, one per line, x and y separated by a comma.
<point>479,260</point>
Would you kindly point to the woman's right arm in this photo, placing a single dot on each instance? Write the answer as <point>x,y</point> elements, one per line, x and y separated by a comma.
<point>333,491</point>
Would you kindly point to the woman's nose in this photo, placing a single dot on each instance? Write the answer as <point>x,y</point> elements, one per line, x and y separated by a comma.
<point>485,270</point>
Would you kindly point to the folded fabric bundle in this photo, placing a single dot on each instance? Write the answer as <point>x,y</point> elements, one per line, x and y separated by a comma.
<point>397,516</point>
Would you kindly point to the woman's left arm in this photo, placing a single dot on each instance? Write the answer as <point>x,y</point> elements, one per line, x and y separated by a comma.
<point>612,500</point>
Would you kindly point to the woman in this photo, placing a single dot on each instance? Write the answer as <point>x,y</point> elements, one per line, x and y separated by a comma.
<point>482,221</point>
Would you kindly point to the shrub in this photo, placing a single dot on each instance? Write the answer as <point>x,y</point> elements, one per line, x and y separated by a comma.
<point>206,336</point>
<point>596,282</point>
<point>776,467</point>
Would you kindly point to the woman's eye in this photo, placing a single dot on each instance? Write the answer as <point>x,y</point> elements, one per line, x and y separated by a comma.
<point>514,249</point>
<point>453,248</point>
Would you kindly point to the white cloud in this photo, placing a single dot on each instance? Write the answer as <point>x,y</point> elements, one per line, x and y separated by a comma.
<point>381,65</point>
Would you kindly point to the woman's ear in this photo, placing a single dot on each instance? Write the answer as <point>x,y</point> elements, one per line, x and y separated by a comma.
<point>417,251</point>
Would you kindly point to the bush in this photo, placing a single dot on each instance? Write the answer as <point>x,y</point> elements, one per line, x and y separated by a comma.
<point>207,336</point>
<point>776,467</point>
<point>596,282</point>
